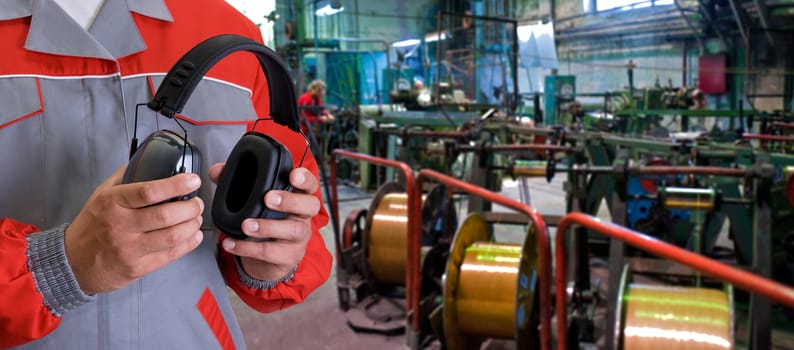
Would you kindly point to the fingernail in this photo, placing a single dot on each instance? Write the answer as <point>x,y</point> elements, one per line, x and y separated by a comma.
<point>300,178</point>
<point>199,236</point>
<point>194,180</point>
<point>251,226</point>
<point>228,244</point>
<point>274,199</point>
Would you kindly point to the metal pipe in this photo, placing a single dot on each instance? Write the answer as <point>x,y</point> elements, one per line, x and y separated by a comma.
<point>519,147</point>
<point>429,133</point>
<point>742,279</point>
<point>535,218</point>
<point>664,170</point>
<point>783,125</point>
<point>692,170</point>
<point>765,137</point>
<point>414,218</point>
<point>530,130</point>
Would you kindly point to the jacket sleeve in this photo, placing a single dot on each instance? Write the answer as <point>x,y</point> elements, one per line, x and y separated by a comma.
<point>315,267</point>
<point>36,282</point>
<point>23,316</point>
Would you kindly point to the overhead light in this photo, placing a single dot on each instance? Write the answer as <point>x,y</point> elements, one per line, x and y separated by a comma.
<point>406,43</point>
<point>435,36</point>
<point>328,10</point>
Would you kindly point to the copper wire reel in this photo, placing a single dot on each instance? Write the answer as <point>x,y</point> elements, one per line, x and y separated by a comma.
<point>684,198</point>
<point>652,317</point>
<point>788,175</point>
<point>490,288</point>
<point>386,233</point>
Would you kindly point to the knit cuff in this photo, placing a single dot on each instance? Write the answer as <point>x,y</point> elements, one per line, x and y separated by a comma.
<point>255,283</point>
<point>51,271</point>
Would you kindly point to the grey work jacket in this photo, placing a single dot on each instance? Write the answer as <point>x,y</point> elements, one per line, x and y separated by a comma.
<point>62,135</point>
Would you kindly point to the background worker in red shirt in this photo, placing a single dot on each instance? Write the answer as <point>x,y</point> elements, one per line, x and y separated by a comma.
<point>311,105</point>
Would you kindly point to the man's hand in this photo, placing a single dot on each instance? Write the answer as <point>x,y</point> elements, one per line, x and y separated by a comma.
<point>273,259</point>
<point>120,235</point>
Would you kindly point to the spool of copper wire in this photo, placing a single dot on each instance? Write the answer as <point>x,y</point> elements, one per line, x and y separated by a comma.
<point>674,317</point>
<point>489,289</point>
<point>531,169</point>
<point>386,232</point>
<point>683,198</point>
<point>788,175</point>
<point>388,239</point>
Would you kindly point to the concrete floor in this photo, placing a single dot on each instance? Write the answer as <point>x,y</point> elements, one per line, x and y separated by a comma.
<point>318,323</point>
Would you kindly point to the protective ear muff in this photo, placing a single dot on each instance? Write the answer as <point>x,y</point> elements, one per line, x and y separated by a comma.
<point>257,164</point>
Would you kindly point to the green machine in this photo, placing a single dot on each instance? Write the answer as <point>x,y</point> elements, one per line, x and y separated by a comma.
<point>559,91</point>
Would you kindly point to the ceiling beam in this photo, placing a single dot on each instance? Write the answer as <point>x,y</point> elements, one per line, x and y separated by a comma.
<point>710,20</point>
<point>741,18</point>
<point>763,16</point>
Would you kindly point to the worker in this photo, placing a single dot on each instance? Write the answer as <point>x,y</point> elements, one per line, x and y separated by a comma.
<point>311,105</point>
<point>91,263</point>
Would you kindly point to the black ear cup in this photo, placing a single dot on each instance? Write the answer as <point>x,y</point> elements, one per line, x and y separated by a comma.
<point>257,164</point>
<point>163,154</point>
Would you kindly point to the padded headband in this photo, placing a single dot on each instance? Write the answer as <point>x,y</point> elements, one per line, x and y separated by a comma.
<point>183,77</point>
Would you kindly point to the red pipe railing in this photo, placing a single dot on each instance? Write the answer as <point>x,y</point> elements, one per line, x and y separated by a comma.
<point>742,279</point>
<point>414,216</point>
<point>534,216</point>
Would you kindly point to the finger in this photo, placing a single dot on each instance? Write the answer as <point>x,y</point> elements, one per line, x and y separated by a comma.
<point>214,172</point>
<point>164,215</point>
<point>281,230</point>
<point>301,204</point>
<point>171,237</point>
<point>303,180</point>
<point>142,194</point>
<point>276,253</point>
<point>163,257</point>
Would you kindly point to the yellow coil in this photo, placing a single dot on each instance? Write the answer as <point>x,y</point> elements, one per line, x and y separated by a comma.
<point>689,198</point>
<point>388,235</point>
<point>671,318</point>
<point>530,171</point>
<point>486,295</point>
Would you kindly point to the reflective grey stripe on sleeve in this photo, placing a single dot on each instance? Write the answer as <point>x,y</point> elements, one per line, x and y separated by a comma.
<point>252,282</point>
<point>52,273</point>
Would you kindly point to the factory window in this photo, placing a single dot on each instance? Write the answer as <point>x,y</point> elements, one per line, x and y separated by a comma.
<point>603,5</point>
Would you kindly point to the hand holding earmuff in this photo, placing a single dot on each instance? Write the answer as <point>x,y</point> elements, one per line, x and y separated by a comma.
<point>258,163</point>
<point>286,239</point>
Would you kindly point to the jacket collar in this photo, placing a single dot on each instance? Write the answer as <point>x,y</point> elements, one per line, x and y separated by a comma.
<point>112,35</point>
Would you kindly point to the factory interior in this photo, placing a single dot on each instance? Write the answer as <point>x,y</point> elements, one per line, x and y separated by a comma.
<point>545,174</point>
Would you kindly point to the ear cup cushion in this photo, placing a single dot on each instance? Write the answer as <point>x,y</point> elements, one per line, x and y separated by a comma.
<point>257,164</point>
